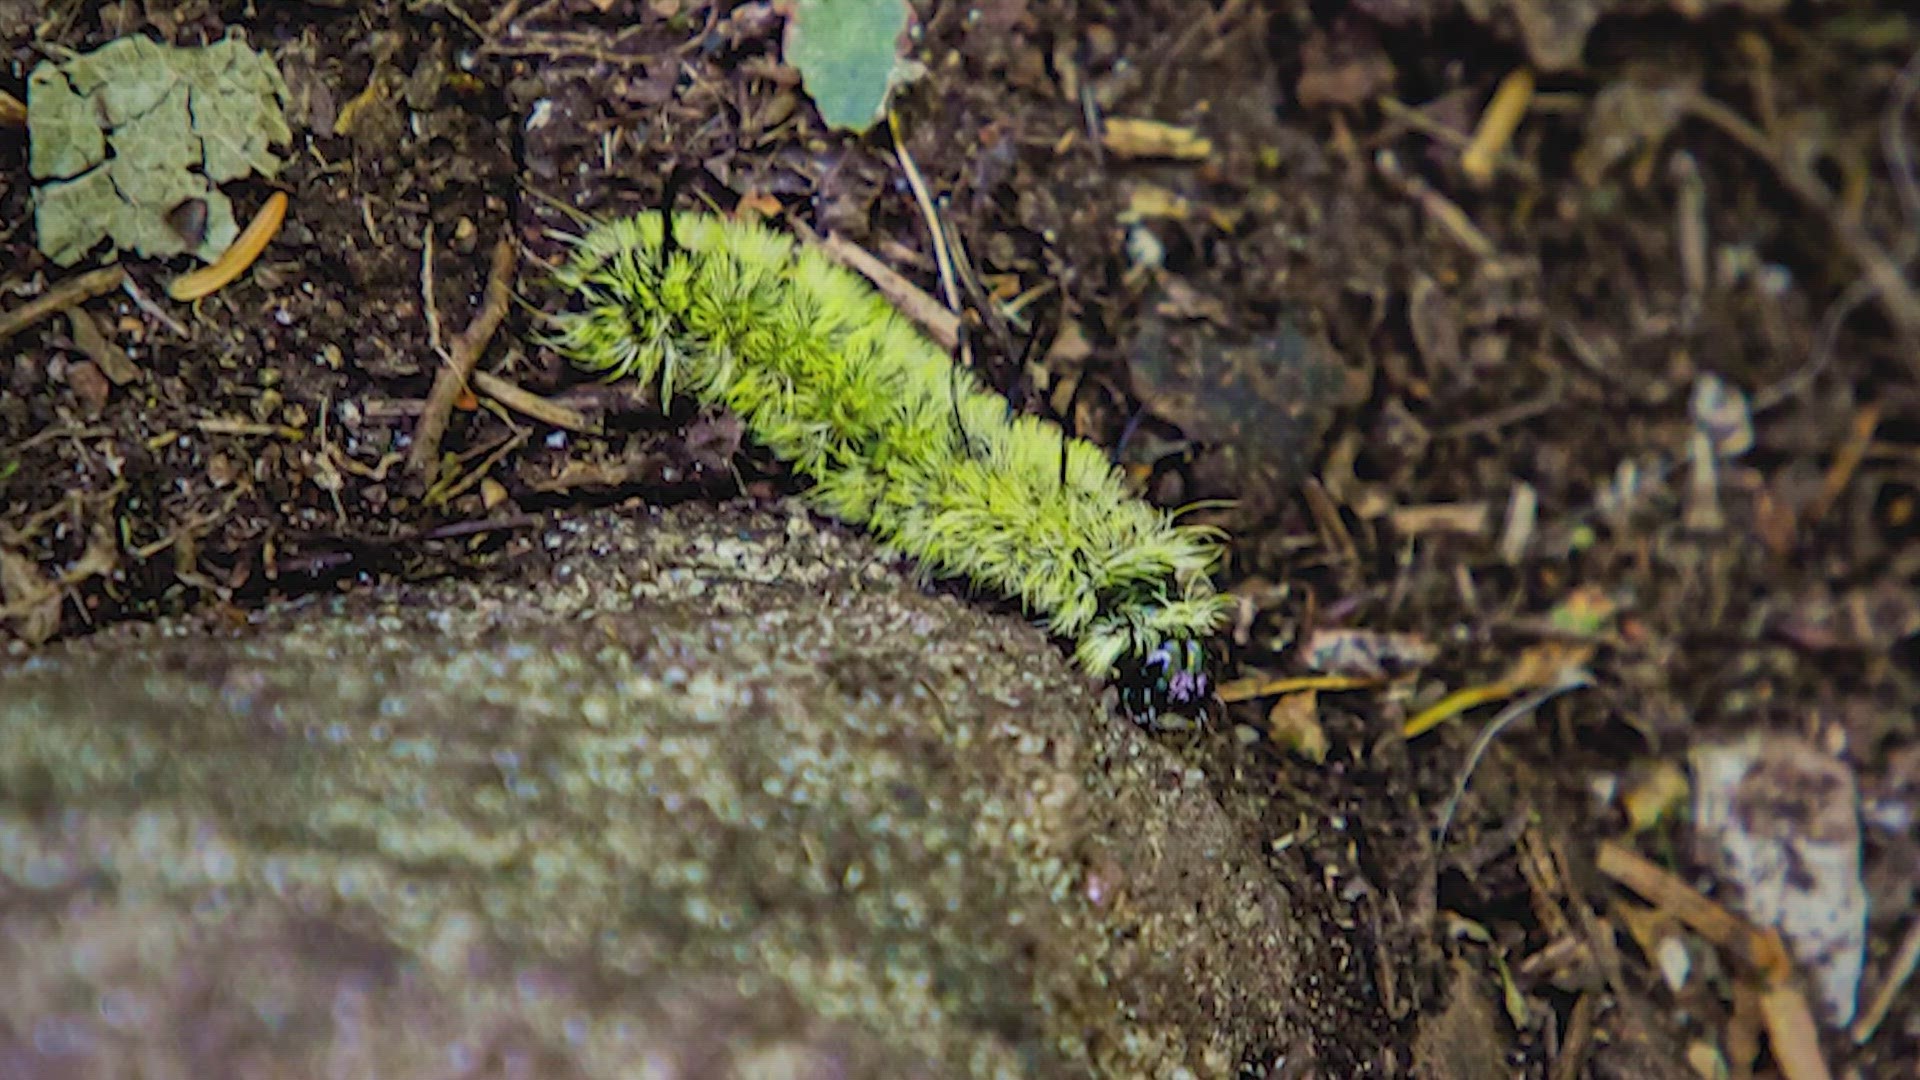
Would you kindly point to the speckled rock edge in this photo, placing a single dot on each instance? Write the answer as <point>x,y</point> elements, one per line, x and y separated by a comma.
<point>694,792</point>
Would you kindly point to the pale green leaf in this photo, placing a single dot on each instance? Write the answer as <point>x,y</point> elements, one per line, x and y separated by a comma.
<point>129,77</point>
<point>71,216</point>
<point>159,138</point>
<point>63,133</point>
<point>848,55</point>
<point>179,121</point>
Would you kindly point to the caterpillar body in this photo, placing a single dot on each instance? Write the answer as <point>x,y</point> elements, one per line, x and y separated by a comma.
<point>827,375</point>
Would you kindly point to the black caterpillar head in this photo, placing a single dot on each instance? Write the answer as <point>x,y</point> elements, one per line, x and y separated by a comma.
<point>1167,687</point>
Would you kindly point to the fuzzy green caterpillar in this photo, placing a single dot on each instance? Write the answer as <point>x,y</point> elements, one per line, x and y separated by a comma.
<point>829,377</point>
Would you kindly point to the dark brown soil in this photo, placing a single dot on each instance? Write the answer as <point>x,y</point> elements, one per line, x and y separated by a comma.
<point>1369,383</point>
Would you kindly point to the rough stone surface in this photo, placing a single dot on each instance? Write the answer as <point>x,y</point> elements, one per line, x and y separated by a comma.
<point>717,794</point>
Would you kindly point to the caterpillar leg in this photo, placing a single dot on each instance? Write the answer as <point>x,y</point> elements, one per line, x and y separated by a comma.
<point>962,357</point>
<point>1066,427</point>
<point>670,194</point>
<point>1046,329</point>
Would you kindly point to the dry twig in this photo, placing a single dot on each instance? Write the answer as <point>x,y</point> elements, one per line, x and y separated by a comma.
<point>530,404</point>
<point>1898,973</point>
<point>423,457</point>
<point>74,290</point>
<point>1761,949</point>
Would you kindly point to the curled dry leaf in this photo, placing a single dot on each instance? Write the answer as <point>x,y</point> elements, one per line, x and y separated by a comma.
<point>101,349</point>
<point>1627,117</point>
<point>31,601</point>
<point>1294,723</point>
<point>1654,794</point>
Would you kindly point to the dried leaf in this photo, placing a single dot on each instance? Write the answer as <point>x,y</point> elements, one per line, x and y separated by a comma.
<point>1546,664</point>
<point>1294,724</point>
<point>1627,118</point>
<point>13,111</point>
<point>1585,611</point>
<point>1147,202</point>
<point>32,600</point>
<point>1347,68</point>
<point>112,359</point>
<point>1654,795</point>
<point>1435,321</point>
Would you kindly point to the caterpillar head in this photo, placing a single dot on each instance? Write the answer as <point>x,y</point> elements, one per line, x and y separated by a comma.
<point>1167,687</point>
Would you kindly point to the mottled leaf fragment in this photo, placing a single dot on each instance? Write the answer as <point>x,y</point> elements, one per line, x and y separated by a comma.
<point>129,132</point>
<point>64,138</point>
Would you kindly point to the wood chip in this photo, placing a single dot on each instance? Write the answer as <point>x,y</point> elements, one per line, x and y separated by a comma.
<point>1468,519</point>
<point>13,111</point>
<point>114,362</point>
<point>29,600</point>
<point>1523,511</point>
<point>1792,1034</point>
<point>1135,138</point>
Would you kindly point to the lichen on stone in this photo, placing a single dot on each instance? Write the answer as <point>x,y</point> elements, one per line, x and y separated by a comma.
<point>651,803</point>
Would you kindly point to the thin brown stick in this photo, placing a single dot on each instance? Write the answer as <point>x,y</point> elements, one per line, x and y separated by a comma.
<point>152,309</point>
<point>530,404</point>
<point>423,458</point>
<point>434,337</point>
<point>441,496</point>
<point>51,434</point>
<point>1760,948</point>
<point>222,426</point>
<point>1898,972</point>
<point>74,290</point>
<point>503,18</point>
